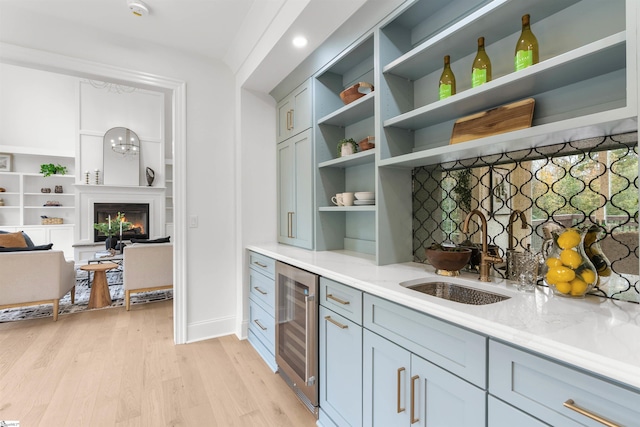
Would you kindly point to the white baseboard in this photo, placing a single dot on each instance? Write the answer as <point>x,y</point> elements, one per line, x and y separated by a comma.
<point>199,331</point>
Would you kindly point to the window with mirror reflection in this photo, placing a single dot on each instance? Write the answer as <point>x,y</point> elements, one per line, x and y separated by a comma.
<point>577,183</point>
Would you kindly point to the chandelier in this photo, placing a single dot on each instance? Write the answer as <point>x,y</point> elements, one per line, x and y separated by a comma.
<point>123,141</point>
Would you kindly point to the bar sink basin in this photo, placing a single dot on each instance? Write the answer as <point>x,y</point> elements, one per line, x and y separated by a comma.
<point>457,293</point>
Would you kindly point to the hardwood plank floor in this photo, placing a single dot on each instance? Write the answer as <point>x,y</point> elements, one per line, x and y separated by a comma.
<point>120,368</point>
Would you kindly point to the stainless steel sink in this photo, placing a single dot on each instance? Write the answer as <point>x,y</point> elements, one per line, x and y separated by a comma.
<point>457,293</point>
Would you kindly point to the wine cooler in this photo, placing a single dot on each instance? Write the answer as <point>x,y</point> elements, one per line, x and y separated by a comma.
<point>297,332</point>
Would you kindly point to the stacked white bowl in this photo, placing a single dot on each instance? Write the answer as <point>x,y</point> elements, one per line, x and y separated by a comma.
<point>365,198</point>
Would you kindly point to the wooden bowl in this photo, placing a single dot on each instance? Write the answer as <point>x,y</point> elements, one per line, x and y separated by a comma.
<point>448,262</point>
<point>356,91</point>
<point>367,143</point>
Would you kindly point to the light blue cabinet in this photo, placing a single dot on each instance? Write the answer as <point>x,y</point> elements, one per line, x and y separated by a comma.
<point>261,331</point>
<point>340,370</point>
<point>500,414</point>
<point>402,389</point>
<point>295,191</point>
<point>294,112</point>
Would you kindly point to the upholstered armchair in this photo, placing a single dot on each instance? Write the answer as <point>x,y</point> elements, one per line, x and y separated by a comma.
<point>147,267</point>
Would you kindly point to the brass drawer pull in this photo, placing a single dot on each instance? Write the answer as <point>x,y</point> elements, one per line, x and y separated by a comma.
<point>338,324</point>
<point>572,405</point>
<point>413,399</point>
<point>338,300</point>
<point>257,322</point>
<point>259,290</point>
<point>400,409</point>
<point>259,264</point>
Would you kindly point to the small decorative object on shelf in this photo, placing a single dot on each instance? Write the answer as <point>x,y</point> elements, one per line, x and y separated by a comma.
<point>447,86</point>
<point>58,189</point>
<point>54,203</point>
<point>151,175</point>
<point>45,220</point>
<point>1,202</point>
<point>356,91</point>
<point>481,68</point>
<point>45,190</point>
<point>526,47</point>
<point>2,190</point>
<point>568,270</point>
<point>97,176</point>
<point>86,177</point>
<point>49,169</point>
<point>346,147</point>
<point>367,144</point>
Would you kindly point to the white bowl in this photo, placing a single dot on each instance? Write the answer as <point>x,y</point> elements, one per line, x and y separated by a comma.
<point>365,195</point>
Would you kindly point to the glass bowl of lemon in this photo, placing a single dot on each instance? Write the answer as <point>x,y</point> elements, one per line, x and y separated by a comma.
<point>568,270</point>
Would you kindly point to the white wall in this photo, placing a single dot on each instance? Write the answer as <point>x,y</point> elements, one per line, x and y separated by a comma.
<point>211,281</point>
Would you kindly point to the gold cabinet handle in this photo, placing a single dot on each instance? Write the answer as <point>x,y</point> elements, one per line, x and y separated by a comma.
<point>572,405</point>
<point>290,225</point>
<point>335,322</point>
<point>413,399</point>
<point>289,120</point>
<point>259,290</point>
<point>338,300</point>
<point>399,380</point>
<point>259,264</point>
<point>292,118</point>
<point>257,322</point>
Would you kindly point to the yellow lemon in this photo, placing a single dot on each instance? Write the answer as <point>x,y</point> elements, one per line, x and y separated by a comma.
<point>560,274</point>
<point>588,276</point>
<point>563,287</point>
<point>578,287</point>
<point>571,258</point>
<point>570,238</point>
<point>553,262</point>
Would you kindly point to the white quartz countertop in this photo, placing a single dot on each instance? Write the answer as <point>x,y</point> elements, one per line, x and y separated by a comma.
<point>597,334</point>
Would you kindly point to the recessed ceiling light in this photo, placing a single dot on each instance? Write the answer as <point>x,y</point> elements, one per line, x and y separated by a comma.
<point>138,8</point>
<point>299,41</point>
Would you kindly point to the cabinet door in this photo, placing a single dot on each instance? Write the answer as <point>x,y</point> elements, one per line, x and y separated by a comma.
<point>502,415</point>
<point>62,238</point>
<point>386,377</point>
<point>295,189</point>
<point>285,119</point>
<point>302,108</point>
<point>439,398</point>
<point>340,368</point>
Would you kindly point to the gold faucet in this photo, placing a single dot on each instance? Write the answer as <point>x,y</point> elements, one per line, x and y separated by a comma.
<point>512,218</point>
<point>485,258</point>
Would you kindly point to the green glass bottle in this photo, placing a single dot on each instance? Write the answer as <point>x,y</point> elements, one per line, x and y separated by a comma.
<point>481,68</point>
<point>447,86</point>
<point>526,47</point>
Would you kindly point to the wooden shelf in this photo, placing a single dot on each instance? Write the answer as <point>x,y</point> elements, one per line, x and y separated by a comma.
<point>595,59</point>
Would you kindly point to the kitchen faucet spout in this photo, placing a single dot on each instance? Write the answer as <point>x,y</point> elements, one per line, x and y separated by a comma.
<point>485,259</point>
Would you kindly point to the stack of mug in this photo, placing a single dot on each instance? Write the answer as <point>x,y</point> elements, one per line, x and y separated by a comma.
<point>343,199</point>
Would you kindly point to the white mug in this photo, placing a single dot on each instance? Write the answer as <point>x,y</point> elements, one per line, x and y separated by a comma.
<point>347,199</point>
<point>337,199</point>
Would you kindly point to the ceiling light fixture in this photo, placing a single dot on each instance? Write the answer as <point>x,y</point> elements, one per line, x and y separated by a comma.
<point>299,41</point>
<point>138,7</point>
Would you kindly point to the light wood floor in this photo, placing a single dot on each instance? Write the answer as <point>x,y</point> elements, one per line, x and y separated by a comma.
<point>120,368</point>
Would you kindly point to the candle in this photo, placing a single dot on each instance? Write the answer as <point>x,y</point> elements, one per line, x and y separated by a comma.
<point>121,221</point>
<point>109,222</point>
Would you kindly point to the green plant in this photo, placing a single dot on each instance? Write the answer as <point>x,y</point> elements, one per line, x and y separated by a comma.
<point>112,228</point>
<point>346,141</point>
<point>48,169</point>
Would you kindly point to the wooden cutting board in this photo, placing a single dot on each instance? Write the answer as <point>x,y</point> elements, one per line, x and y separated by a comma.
<point>506,118</point>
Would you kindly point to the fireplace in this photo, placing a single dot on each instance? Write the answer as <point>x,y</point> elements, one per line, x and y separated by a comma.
<point>135,213</point>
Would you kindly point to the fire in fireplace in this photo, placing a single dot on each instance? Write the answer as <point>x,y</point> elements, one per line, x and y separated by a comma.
<point>135,213</point>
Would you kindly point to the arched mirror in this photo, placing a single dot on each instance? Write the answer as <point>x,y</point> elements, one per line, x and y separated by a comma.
<point>121,155</point>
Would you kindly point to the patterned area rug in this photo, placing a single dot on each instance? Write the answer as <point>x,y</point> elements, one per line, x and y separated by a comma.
<point>114,278</point>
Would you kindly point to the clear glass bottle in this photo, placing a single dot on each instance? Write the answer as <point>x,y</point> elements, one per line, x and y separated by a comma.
<point>447,85</point>
<point>526,48</point>
<point>481,68</point>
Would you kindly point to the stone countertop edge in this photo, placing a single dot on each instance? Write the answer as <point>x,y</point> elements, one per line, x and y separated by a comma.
<point>597,334</point>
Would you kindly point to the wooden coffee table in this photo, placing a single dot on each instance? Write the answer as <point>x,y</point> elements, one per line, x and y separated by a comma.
<point>100,296</point>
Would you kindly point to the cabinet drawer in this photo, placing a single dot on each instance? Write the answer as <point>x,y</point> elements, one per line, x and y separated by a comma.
<point>502,415</point>
<point>262,290</point>
<point>263,264</point>
<point>342,299</point>
<point>540,387</point>
<point>262,325</point>
<point>455,349</point>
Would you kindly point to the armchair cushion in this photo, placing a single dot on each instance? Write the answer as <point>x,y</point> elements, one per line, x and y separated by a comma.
<point>13,240</point>
<point>25,235</point>
<point>26,248</point>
